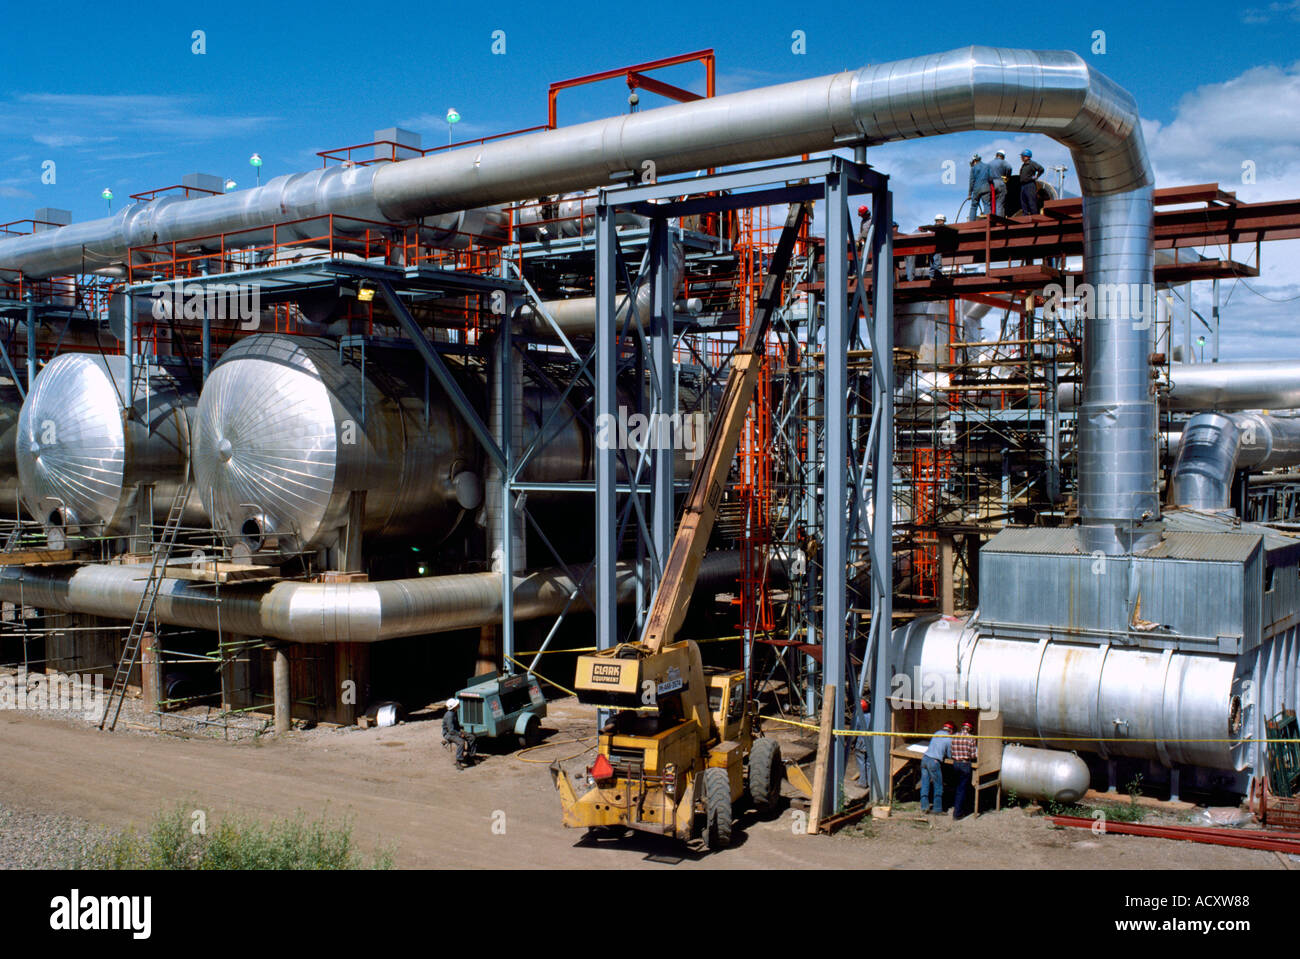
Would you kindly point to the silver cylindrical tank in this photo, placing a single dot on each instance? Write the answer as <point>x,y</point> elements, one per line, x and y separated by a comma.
<point>1173,707</point>
<point>82,463</point>
<point>10,406</point>
<point>288,431</point>
<point>1049,774</point>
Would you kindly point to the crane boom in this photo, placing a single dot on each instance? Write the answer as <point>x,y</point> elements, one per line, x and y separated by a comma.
<point>691,539</point>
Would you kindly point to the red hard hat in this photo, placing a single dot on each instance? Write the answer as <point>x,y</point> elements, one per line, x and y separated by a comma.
<point>948,726</point>
<point>966,726</point>
<point>862,210</point>
<point>864,705</point>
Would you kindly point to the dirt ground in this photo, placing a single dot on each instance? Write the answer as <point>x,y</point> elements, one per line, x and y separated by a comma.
<point>403,793</point>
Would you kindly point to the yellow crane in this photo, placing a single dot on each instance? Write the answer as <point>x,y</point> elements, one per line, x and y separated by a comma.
<point>680,748</point>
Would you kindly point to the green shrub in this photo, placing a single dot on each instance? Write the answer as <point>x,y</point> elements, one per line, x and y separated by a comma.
<point>233,843</point>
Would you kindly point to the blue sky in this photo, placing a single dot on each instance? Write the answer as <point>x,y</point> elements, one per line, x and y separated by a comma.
<point>116,98</point>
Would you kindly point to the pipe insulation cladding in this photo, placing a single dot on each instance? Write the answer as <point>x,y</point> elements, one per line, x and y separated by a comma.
<point>82,463</point>
<point>289,433</point>
<point>1172,707</point>
<point>321,612</point>
<point>1213,446</point>
<point>1055,93</point>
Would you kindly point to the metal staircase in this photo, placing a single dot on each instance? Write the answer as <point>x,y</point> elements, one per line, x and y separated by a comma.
<point>162,552</point>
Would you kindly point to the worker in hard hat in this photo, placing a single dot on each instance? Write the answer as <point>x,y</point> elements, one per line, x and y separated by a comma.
<point>977,189</point>
<point>1030,171</point>
<point>862,743</point>
<point>454,734</point>
<point>936,259</point>
<point>864,232</point>
<point>999,171</point>
<point>965,753</point>
<point>940,748</point>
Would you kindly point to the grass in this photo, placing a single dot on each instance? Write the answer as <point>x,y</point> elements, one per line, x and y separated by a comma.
<point>1116,811</point>
<point>171,842</point>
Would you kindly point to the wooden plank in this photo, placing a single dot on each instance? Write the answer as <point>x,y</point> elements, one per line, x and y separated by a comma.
<point>220,572</point>
<point>823,757</point>
<point>24,557</point>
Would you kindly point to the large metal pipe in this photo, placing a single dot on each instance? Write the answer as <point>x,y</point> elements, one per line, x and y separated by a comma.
<point>1173,707</point>
<point>319,612</point>
<point>297,204</point>
<point>576,316</point>
<point>1222,387</point>
<point>1055,93</point>
<point>1213,446</point>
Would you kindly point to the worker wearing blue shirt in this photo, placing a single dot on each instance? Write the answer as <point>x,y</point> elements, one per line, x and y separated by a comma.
<point>977,190</point>
<point>940,748</point>
<point>999,170</point>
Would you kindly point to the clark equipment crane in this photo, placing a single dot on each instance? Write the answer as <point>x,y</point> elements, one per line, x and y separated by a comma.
<point>680,749</point>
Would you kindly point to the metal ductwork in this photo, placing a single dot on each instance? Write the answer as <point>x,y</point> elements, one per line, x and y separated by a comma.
<point>1055,93</point>
<point>1214,446</point>
<point>1259,385</point>
<point>1248,385</point>
<point>1172,707</point>
<point>319,612</point>
<point>576,316</point>
<point>84,464</point>
<point>292,439</point>
<point>298,202</point>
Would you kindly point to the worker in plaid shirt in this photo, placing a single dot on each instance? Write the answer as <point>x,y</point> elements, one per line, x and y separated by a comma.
<point>965,751</point>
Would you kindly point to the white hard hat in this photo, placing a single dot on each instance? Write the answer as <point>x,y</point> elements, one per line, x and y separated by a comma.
<point>453,703</point>
<point>940,218</point>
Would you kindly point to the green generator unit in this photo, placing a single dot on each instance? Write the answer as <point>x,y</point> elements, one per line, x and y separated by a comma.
<point>497,705</point>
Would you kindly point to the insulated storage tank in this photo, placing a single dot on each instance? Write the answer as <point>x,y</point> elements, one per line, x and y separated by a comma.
<point>10,406</point>
<point>82,463</point>
<point>292,435</point>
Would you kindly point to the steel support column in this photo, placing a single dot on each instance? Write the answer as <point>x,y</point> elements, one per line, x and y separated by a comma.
<point>663,523</point>
<point>882,486</point>
<point>836,482</point>
<point>606,361</point>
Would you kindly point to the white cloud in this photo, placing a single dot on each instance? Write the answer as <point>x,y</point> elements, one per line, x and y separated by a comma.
<point>1289,10</point>
<point>60,121</point>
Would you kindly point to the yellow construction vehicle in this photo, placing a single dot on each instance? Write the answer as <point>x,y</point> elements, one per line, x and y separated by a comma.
<point>679,749</point>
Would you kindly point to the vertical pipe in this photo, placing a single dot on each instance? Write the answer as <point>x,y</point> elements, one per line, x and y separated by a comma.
<point>606,476</point>
<point>836,481</point>
<point>1214,316</point>
<point>661,355</point>
<point>282,702</point>
<point>207,343</point>
<point>508,391</point>
<point>882,487</point>
<point>31,345</point>
<point>947,597</point>
<point>128,348</point>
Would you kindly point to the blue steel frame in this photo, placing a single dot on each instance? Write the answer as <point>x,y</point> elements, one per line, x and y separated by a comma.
<point>834,180</point>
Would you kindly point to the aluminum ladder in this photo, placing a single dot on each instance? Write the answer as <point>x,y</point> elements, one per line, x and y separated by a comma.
<point>162,553</point>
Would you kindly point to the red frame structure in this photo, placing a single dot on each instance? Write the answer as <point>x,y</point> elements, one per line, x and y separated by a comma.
<point>635,77</point>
